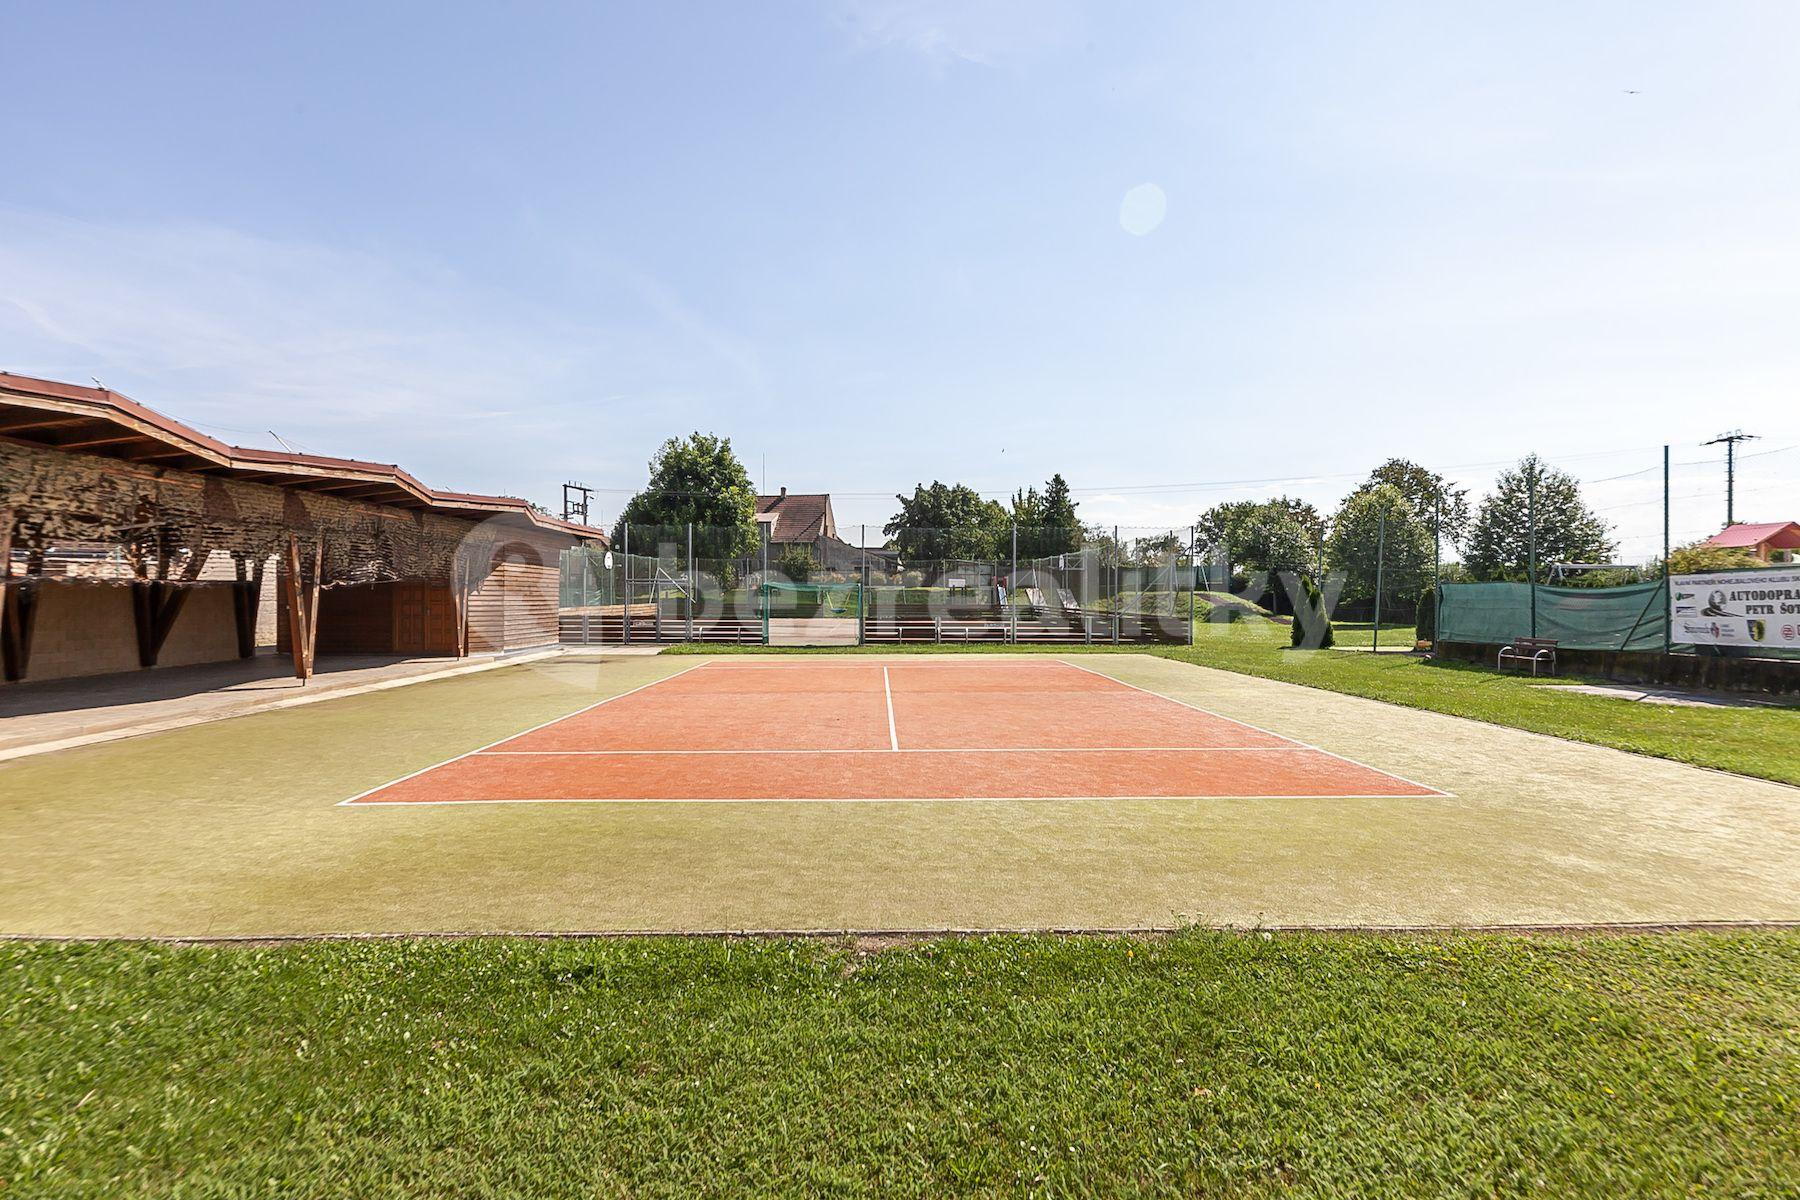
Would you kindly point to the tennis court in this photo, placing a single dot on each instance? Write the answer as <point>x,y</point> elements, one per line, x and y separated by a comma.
<point>862,730</point>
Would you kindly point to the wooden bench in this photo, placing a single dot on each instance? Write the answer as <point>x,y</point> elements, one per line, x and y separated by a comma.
<point>1533,650</point>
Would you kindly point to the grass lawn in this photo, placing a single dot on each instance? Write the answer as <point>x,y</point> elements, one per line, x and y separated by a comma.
<point>1229,1064</point>
<point>1750,741</point>
<point>1358,634</point>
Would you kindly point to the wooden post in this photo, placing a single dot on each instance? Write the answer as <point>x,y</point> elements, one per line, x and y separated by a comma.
<point>459,592</point>
<point>312,604</point>
<point>296,617</point>
<point>155,607</point>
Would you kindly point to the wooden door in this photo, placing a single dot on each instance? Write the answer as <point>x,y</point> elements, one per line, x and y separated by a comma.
<point>409,618</point>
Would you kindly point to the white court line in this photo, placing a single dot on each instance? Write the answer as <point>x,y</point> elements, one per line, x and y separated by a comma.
<point>875,799</point>
<point>509,737</point>
<point>1292,748</point>
<point>851,662</point>
<point>1258,728</point>
<point>888,688</point>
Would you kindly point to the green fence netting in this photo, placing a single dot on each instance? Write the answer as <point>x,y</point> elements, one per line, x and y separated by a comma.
<point>1634,617</point>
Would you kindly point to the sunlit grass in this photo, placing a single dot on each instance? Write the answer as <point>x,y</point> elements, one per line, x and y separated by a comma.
<point>1233,1064</point>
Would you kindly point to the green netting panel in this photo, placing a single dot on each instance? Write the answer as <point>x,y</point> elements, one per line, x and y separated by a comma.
<point>812,599</point>
<point>1634,617</point>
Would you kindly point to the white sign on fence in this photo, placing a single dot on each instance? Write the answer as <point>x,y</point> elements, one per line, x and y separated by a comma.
<point>1741,608</point>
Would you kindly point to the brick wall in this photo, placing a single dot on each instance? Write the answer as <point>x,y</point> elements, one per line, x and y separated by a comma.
<point>86,629</point>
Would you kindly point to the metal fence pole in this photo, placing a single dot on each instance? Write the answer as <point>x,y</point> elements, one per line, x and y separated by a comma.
<point>1380,553</point>
<point>764,588</point>
<point>1118,574</point>
<point>1193,578</point>
<point>1668,593</point>
<point>1012,583</point>
<point>1531,543</point>
<point>626,610</point>
<point>690,583</point>
<point>1437,571</point>
<point>862,592</point>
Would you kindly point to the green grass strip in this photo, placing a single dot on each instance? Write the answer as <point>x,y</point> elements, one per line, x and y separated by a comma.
<point>1204,1063</point>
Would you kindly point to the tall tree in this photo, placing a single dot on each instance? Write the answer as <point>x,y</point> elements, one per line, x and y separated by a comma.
<point>1378,529</point>
<point>695,479</point>
<point>1047,521</point>
<point>948,521</point>
<point>1426,491</point>
<point>1267,536</point>
<point>1567,530</point>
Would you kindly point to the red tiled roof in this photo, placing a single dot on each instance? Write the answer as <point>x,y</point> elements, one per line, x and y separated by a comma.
<point>68,416</point>
<point>799,517</point>
<point>1782,535</point>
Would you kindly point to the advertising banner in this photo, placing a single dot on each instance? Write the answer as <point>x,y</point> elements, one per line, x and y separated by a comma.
<point>1737,608</point>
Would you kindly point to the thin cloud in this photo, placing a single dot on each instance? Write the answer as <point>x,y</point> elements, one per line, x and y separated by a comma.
<point>983,32</point>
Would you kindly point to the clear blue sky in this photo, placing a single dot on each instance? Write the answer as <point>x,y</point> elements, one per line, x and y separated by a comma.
<point>880,243</point>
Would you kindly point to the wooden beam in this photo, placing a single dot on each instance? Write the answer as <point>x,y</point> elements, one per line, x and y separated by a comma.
<point>86,443</point>
<point>142,619</point>
<point>459,591</point>
<point>246,597</point>
<point>155,606</point>
<point>48,423</point>
<point>312,604</point>
<point>295,598</point>
<point>18,617</point>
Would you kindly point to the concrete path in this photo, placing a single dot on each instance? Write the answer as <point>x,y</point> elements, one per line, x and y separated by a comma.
<point>1683,697</point>
<point>36,718</point>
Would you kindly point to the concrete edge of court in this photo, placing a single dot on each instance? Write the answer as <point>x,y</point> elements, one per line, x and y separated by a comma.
<point>1518,929</point>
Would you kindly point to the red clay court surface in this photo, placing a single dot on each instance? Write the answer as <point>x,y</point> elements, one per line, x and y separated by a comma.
<point>896,731</point>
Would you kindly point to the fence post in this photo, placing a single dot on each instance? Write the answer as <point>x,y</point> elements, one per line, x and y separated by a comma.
<point>1380,553</point>
<point>626,610</point>
<point>862,592</point>
<point>1012,583</point>
<point>1118,574</point>
<point>1437,572</point>
<point>763,590</point>
<point>690,583</point>
<point>1667,588</point>
<point>1531,542</point>
<point>1193,578</point>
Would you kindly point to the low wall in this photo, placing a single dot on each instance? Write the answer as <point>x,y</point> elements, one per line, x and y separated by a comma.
<point>1770,675</point>
<point>86,628</point>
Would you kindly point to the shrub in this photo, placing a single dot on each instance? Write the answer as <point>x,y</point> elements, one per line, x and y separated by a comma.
<point>1425,625</point>
<point>1312,627</point>
<point>797,563</point>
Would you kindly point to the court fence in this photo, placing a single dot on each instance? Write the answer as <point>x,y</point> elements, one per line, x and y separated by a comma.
<point>1752,613</point>
<point>1010,585</point>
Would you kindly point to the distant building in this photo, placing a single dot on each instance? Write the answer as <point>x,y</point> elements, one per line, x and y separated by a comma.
<point>796,520</point>
<point>805,519</point>
<point>1772,542</point>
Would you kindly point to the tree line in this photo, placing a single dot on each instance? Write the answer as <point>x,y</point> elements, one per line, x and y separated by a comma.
<point>1402,520</point>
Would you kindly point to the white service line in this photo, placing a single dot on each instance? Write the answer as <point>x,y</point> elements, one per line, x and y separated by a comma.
<point>509,737</point>
<point>886,686</point>
<point>1294,748</point>
<point>874,799</point>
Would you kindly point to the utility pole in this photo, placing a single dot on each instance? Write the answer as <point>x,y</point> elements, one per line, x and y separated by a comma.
<point>575,501</point>
<point>1730,441</point>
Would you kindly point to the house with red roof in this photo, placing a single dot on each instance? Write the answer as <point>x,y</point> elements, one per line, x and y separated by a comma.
<point>1772,542</point>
